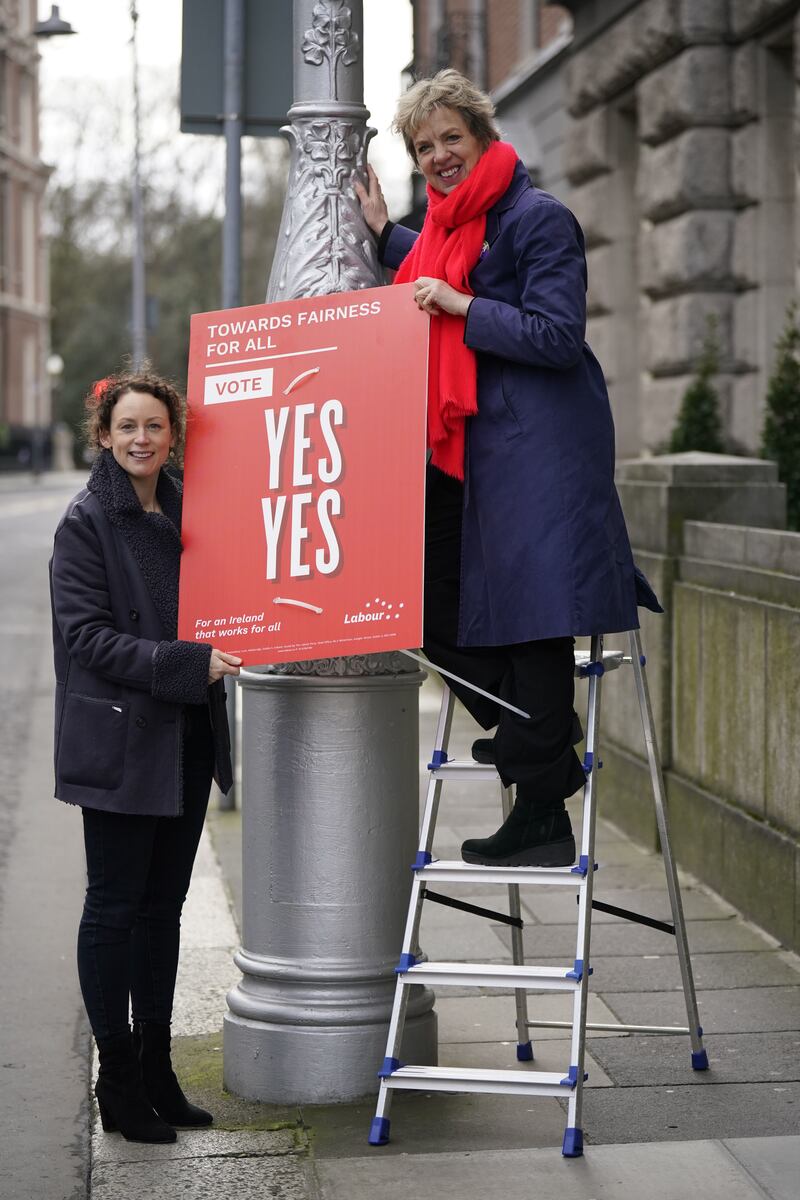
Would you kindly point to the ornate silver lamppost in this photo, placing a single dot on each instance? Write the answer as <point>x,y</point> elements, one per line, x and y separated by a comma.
<point>329,748</point>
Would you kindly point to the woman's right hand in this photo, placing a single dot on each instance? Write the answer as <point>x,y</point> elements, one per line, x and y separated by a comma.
<point>222,664</point>
<point>373,205</point>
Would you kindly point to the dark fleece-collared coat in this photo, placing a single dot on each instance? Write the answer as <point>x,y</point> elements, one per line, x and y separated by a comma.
<point>545,551</point>
<point>122,680</point>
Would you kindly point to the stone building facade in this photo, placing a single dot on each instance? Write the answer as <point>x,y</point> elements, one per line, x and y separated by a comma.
<point>668,127</point>
<point>24,311</point>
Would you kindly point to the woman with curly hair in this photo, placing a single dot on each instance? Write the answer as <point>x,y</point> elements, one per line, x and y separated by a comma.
<point>140,729</point>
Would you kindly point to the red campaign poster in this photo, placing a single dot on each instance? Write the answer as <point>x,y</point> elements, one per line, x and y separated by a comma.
<point>303,512</point>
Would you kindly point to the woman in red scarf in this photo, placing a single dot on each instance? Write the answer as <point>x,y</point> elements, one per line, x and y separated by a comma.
<point>526,546</point>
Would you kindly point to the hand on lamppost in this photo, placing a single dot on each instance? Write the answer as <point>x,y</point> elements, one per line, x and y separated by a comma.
<point>435,296</point>
<point>373,205</point>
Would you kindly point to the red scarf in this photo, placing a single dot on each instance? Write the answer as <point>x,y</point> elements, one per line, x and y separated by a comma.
<point>448,248</point>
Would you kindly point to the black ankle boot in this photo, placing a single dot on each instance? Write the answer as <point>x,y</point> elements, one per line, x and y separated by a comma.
<point>152,1043</point>
<point>121,1096</point>
<point>526,838</point>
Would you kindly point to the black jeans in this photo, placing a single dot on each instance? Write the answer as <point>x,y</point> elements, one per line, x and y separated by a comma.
<point>536,753</point>
<point>138,875</point>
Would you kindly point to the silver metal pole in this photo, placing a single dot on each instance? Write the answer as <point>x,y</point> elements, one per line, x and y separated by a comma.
<point>233,95</point>
<point>330,749</point>
<point>139,293</point>
<point>233,103</point>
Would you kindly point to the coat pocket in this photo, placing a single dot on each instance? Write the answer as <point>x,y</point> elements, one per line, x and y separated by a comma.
<point>93,740</point>
<point>509,384</point>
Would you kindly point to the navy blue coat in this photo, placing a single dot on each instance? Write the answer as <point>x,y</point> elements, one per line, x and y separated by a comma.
<point>545,551</point>
<point>122,680</point>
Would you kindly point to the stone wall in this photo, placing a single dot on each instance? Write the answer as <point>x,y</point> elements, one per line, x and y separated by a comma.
<point>682,164</point>
<point>722,669</point>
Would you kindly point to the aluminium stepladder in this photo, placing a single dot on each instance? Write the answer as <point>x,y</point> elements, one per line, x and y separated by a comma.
<point>572,978</point>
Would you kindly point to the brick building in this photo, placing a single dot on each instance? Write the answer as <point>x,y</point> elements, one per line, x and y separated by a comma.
<point>24,313</point>
<point>667,126</point>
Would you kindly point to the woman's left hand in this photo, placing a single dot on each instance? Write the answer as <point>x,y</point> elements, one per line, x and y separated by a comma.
<point>435,296</point>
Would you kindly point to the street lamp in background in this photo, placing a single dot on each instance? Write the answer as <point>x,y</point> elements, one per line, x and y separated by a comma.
<point>62,439</point>
<point>54,26</point>
<point>139,295</point>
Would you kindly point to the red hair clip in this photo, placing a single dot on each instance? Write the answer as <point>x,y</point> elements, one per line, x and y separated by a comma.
<point>99,387</point>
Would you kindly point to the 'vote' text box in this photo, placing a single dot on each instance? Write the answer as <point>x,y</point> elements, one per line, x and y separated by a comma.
<point>243,385</point>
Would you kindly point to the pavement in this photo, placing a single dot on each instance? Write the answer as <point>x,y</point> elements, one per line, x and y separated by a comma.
<point>652,1126</point>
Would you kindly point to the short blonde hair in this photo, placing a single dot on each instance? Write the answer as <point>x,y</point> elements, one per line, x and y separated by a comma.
<point>446,89</point>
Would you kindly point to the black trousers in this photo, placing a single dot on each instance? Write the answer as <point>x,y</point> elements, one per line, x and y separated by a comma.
<point>537,753</point>
<point>138,871</point>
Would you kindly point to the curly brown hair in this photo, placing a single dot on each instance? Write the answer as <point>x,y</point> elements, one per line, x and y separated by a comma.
<point>105,393</point>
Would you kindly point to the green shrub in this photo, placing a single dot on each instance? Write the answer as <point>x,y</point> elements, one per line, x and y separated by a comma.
<point>698,426</point>
<point>780,438</point>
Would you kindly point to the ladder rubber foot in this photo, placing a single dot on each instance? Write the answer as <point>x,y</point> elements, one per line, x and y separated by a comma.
<point>699,1060</point>
<point>573,1143</point>
<point>379,1131</point>
<point>524,1052</point>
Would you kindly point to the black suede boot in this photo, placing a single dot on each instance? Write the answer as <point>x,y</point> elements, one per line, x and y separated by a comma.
<point>121,1096</point>
<point>526,838</point>
<point>152,1043</point>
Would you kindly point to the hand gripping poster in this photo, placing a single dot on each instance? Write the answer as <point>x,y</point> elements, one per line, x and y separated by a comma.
<point>303,513</point>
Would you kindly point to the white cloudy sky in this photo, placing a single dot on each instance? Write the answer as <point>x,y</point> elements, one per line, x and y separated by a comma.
<point>86,82</point>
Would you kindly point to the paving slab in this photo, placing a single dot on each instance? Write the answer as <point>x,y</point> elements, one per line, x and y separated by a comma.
<point>558,905</point>
<point>623,938</point>
<point>733,1058</point>
<point>491,1018</point>
<point>195,1143</point>
<point>737,1010</point>
<point>450,936</point>
<point>425,1123</point>
<point>717,1110</point>
<point>246,1178</point>
<point>657,973</point>
<point>773,1161</point>
<point>551,1055</point>
<point>605,1173</point>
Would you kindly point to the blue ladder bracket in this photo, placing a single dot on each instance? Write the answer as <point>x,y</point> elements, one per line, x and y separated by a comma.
<point>424,859</point>
<point>439,759</point>
<point>571,1078</point>
<point>406,962</point>
<point>379,1131</point>
<point>582,866</point>
<point>642,660</point>
<point>573,1142</point>
<point>524,1052</point>
<point>699,1060</point>
<point>699,1030</point>
<point>388,1067</point>
<point>591,668</point>
<point>577,970</point>
<point>588,763</point>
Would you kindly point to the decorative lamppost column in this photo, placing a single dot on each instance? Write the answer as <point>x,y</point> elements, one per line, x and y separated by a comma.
<point>330,748</point>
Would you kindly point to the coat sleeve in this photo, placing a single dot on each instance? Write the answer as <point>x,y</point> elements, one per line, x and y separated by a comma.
<point>549,326</point>
<point>174,671</point>
<point>393,248</point>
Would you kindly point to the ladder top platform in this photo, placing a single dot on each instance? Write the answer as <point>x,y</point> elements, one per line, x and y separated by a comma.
<point>612,659</point>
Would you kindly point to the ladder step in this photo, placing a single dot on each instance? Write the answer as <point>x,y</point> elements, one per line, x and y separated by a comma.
<point>464,1079</point>
<point>465,768</point>
<point>444,871</point>
<point>502,975</point>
